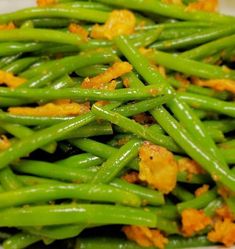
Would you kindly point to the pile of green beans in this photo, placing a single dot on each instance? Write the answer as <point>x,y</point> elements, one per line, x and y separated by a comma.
<point>65,178</point>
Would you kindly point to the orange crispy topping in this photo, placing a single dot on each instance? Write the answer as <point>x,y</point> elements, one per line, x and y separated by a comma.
<point>8,26</point>
<point>224,232</point>
<point>190,166</point>
<point>10,80</point>
<point>120,22</point>
<point>208,5</point>
<point>4,143</point>
<point>158,167</point>
<point>217,84</point>
<point>145,237</point>
<point>44,3</point>
<point>51,109</point>
<point>201,190</point>
<point>104,80</point>
<point>131,177</point>
<point>225,213</point>
<point>224,192</point>
<point>79,30</point>
<point>194,221</point>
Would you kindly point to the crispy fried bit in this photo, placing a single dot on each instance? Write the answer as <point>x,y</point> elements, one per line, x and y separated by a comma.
<point>143,118</point>
<point>131,177</point>
<point>10,80</point>
<point>158,167</point>
<point>52,109</point>
<point>79,30</point>
<point>224,192</point>
<point>208,5</point>
<point>44,3</point>
<point>190,166</point>
<point>145,237</point>
<point>201,190</point>
<point>217,84</point>
<point>8,26</point>
<point>224,232</point>
<point>194,221</point>
<point>225,213</point>
<point>4,143</point>
<point>120,22</point>
<point>105,80</point>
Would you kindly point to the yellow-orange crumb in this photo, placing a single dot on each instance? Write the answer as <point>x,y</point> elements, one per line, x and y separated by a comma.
<point>158,167</point>
<point>143,118</point>
<point>194,221</point>
<point>4,143</point>
<point>51,109</point>
<point>208,5</point>
<point>105,80</point>
<point>145,237</point>
<point>184,82</point>
<point>8,26</point>
<point>131,177</point>
<point>79,30</point>
<point>10,80</point>
<point>120,22</point>
<point>224,232</point>
<point>201,190</point>
<point>44,3</point>
<point>225,213</point>
<point>224,192</point>
<point>217,84</point>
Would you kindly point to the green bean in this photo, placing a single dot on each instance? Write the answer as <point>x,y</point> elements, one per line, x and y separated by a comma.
<point>53,171</point>
<point>49,22</point>
<point>34,180</point>
<point>91,71</point>
<point>148,196</point>
<point>210,209</point>
<point>20,241</point>
<point>27,24</point>
<point>98,149</point>
<point>167,211</point>
<point>230,202</point>
<point>48,192</point>
<point>134,127</point>
<point>170,10</point>
<point>182,194</point>
<point>67,65</point>
<point>116,243</point>
<point>112,167</point>
<point>229,155</point>
<point>20,131</point>
<point>9,59</point>
<point>84,160</point>
<point>85,5</point>
<point>76,213</point>
<point>142,106</point>
<point>20,65</point>
<point>13,48</point>
<point>210,48</point>
<point>179,108</point>
<point>198,202</point>
<point>9,180</point>
<point>64,12</point>
<point>194,39</point>
<point>83,94</point>
<point>190,67</point>
<point>223,125</point>
<point>31,120</point>
<point>43,137</point>
<point>194,149</point>
<point>230,144</point>
<point>208,103</point>
<point>193,179</point>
